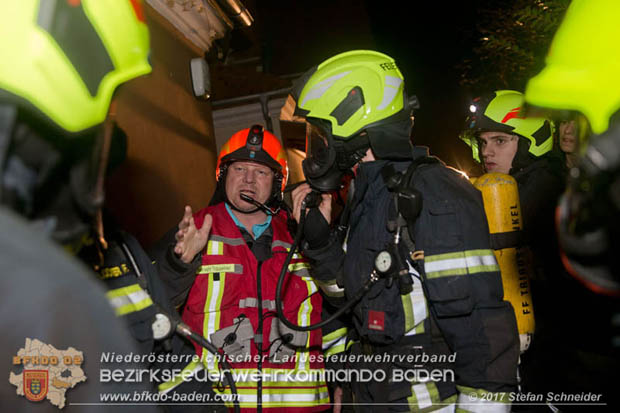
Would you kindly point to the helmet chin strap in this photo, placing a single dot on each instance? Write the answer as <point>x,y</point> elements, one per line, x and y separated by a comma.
<point>522,158</point>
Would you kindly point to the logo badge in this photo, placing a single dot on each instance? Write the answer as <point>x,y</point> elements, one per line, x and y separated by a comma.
<point>42,370</point>
<point>35,384</point>
<point>376,320</point>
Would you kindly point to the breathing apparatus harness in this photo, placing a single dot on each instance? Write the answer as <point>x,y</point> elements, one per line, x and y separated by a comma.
<point>389,263</point>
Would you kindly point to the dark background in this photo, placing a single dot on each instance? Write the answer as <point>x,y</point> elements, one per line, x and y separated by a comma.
<point>428,40</point>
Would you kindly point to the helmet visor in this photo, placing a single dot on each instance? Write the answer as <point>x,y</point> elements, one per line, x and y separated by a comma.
<point>470,137</point>
<point>320,152</point>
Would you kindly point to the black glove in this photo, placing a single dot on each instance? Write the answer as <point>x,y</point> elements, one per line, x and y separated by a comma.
<point>316,229</point>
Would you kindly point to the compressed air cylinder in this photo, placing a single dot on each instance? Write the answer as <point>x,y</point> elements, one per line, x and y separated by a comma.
<point>503,210</point>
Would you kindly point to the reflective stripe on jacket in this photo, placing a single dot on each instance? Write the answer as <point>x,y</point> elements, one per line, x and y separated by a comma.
<point>225,302</point>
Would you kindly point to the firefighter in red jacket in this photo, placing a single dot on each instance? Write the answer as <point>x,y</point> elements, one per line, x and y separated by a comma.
<point>229,256</point>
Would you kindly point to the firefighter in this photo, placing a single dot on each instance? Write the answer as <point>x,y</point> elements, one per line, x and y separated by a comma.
<point>507,142</point>
<point>580,79</point>
<point>55,93</point>
<point>572,136</point>
<point>416,227</point>
<point>222,264</point>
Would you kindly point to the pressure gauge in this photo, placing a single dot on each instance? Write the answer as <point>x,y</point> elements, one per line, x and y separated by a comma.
<point>383,261</point>
<point>162,327</point>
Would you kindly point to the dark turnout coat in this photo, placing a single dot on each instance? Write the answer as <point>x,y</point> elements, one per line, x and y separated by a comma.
<point>456,306</point>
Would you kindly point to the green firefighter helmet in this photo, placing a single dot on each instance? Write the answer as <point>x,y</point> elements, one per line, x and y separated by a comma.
<point>65,58</point>
<point>582,71</point>
<point>501,111</point>
<point>353,91</point>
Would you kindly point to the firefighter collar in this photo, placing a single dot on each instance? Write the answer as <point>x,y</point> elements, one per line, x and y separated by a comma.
<point>257,229</point>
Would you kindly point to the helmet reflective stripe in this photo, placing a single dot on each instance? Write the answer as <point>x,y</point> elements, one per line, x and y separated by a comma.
<point>505,108</point>
<point>37,69</point>
<point>322,87</point>
<point>374,74</point>
<point>501,112</point>
<point>389,93</point>
<point>583,64</point>
<point>86,52</point>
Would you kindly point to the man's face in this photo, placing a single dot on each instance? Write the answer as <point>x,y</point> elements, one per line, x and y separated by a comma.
<point>250,178</point>
<point>497,149</point>
<point>568,136</point>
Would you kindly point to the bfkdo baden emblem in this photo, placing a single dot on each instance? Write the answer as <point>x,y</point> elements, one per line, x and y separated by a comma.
<point>35,384</point>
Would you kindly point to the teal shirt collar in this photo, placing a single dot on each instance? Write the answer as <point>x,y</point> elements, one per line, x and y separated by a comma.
<point>257,229</point>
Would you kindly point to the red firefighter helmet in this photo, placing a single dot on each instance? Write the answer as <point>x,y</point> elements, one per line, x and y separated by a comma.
<point>256,145</point>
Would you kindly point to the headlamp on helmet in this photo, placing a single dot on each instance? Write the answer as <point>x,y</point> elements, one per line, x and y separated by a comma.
<point>253,145</point>
<point>501,111</point>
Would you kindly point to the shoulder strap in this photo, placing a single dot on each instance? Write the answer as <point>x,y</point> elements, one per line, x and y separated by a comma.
<point>396,180</point>
<point>407,201</point>
<point>415,164</point>
<point>343,221</point>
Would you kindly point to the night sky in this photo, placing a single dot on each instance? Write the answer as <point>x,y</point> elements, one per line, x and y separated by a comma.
<point>427,39</point>
<point>428,42</point>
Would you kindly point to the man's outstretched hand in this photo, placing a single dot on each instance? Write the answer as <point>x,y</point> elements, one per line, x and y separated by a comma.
<point>191,240</point>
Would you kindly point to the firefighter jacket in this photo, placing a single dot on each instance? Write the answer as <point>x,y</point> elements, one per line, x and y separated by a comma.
<point>53,298</point>
<point>134,289</point>
<point>541,182</point>
<point>455,310</point>
<point>232,304</point>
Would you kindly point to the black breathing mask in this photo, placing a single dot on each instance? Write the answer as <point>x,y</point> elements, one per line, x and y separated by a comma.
<point>328,158</point>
